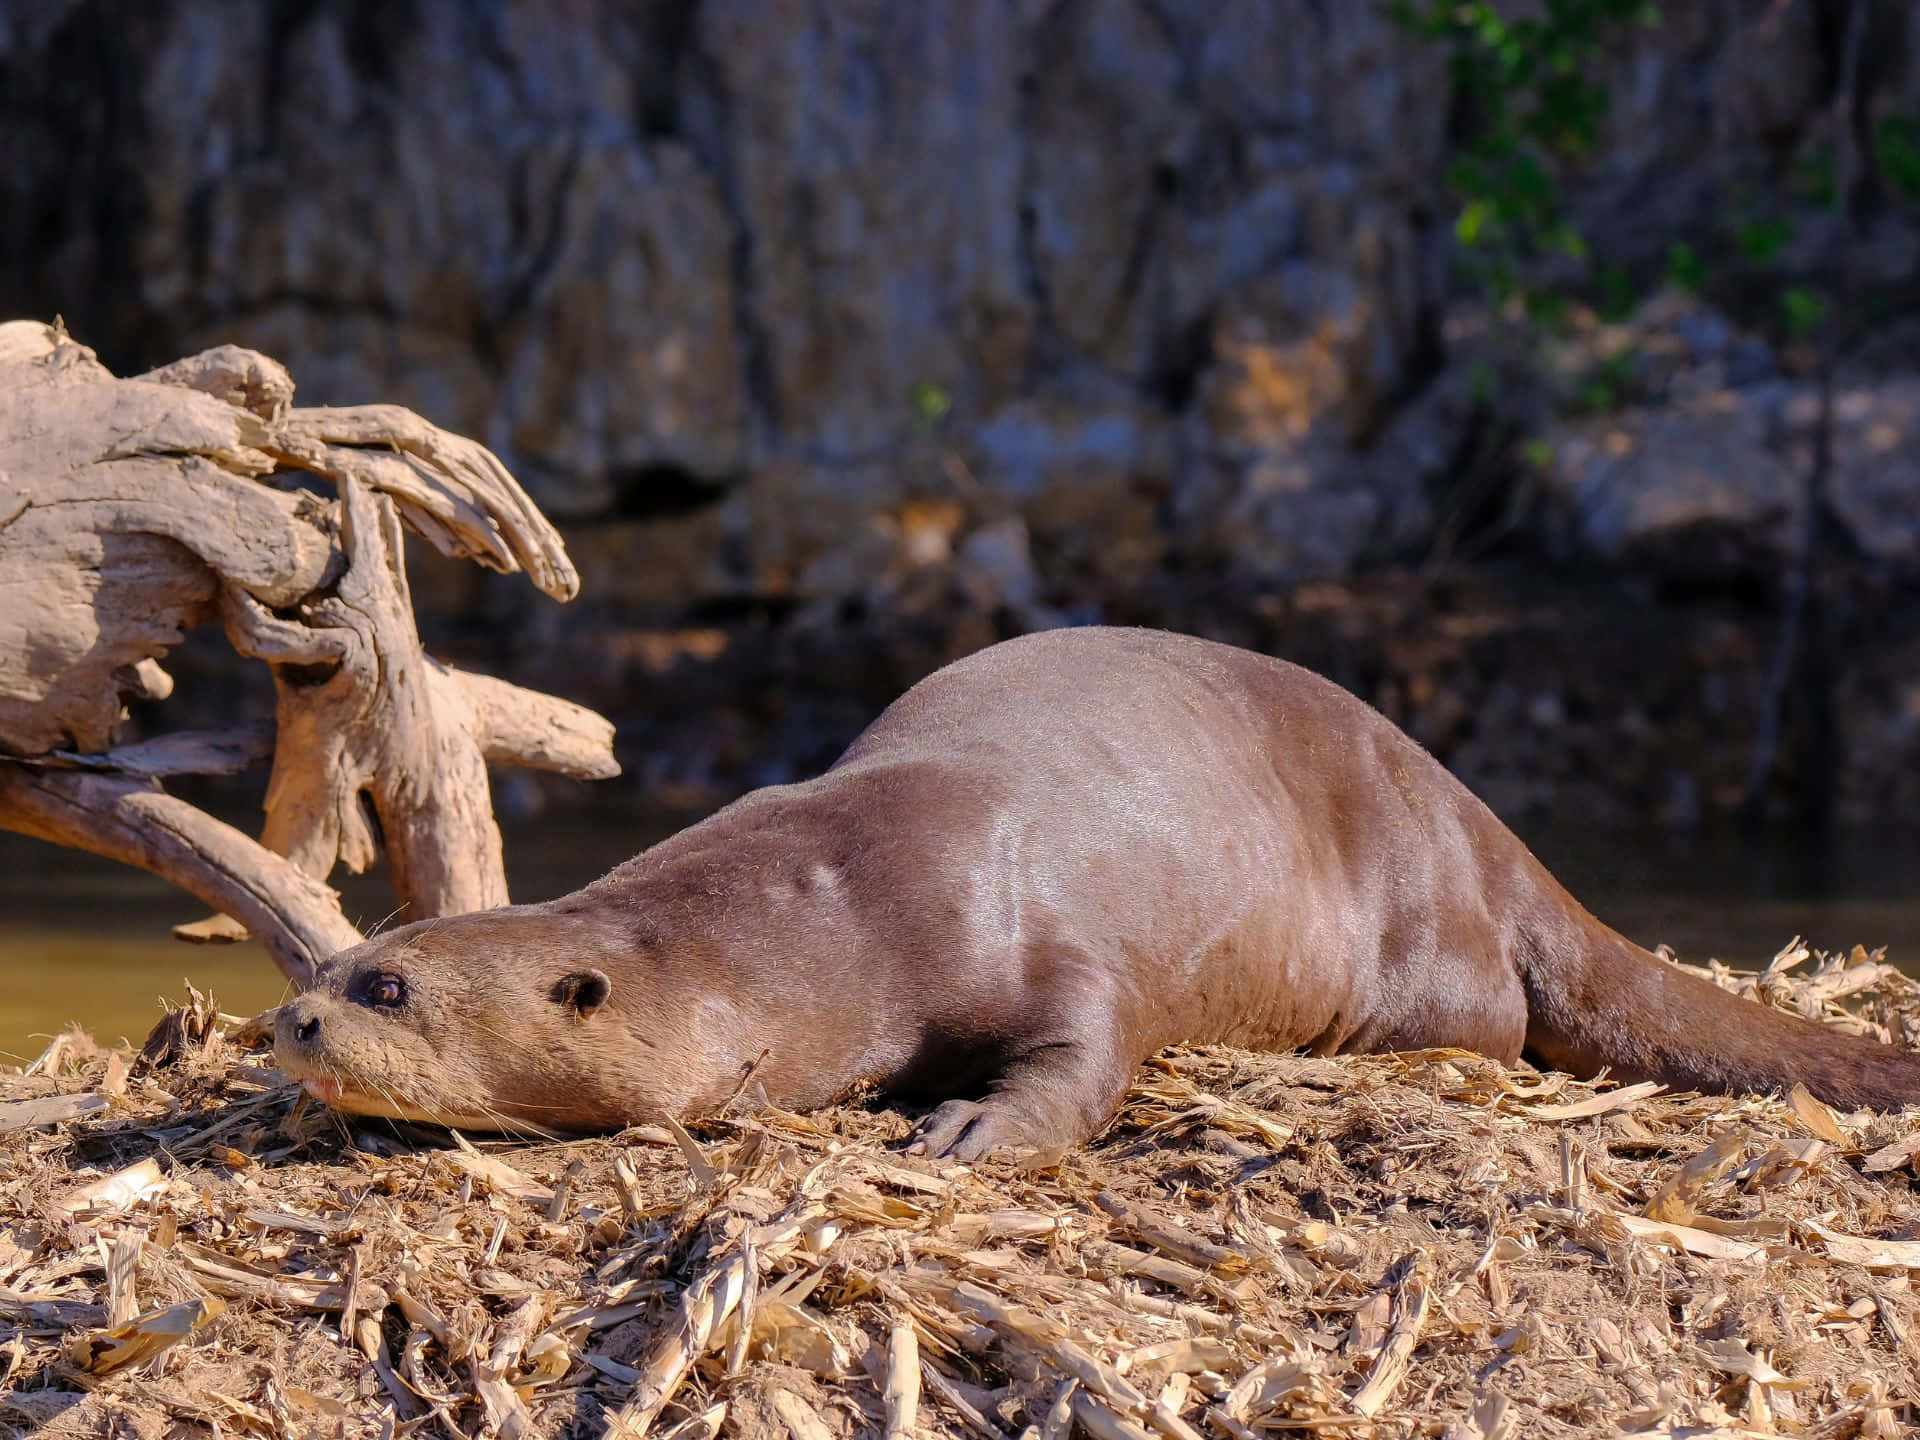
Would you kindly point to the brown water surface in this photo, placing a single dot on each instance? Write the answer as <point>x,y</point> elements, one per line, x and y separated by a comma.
<point>85,941</point>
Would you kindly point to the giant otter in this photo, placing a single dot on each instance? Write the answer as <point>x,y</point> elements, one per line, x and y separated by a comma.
<point>1037,867</point>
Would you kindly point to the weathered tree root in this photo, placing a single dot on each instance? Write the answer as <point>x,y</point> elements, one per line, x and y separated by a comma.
<point>132,510</point>
<point>137,823</point>
<point>364,712</point>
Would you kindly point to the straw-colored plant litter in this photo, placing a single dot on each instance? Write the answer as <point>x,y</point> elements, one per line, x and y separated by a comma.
<point>1422,1244</point>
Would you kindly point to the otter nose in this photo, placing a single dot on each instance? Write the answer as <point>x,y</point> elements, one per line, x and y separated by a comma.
<point>298,1024</point>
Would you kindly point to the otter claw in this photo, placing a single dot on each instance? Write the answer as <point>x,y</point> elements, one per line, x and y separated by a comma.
<point>965,1130</point>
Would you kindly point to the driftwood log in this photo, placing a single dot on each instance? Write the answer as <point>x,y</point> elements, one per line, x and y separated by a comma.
<point>132,510</point>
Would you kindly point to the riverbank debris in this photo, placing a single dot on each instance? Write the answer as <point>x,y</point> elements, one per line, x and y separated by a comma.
<point>1422,1244</point>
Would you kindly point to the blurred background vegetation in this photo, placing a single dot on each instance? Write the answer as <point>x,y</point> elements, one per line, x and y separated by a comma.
<point>1548,371</point>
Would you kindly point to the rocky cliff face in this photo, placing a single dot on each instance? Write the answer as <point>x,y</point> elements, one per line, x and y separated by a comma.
<point>847,336</point>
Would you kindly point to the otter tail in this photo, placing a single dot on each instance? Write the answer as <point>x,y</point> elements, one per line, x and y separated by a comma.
<point>1596,999</point>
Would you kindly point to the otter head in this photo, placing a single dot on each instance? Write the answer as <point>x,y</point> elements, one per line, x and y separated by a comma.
<point>498,1020</point>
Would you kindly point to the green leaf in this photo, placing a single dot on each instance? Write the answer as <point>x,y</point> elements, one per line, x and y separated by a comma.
<point>1533,107</point>
<point>930,404</point>
<point>1896,149</point>
<point>1804,309</point>
<point>1816,178</point>
<point>1480,380</point>
<point>1545,308</point>
<point>1616,292</point>
<point>1568,241</point>
<point>1472,222</point>
<point>1684,267</point>
<point>1762,240</point>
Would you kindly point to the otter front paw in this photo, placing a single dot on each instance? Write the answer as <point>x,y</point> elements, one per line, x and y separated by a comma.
<point>968,1130</point>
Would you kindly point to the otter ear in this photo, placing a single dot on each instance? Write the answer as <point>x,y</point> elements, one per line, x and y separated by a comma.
<point>584,991</point>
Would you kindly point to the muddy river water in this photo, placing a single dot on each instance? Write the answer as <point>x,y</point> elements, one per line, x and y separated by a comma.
<point>84,941</point>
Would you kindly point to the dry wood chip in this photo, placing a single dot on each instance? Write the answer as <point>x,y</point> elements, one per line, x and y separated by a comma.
<point>506,1412</point>
<point>234,1282</point>
<point>1819,1117</point>
<point>1200,1108</point>
<point>1186,1356</point>
<point>1103,1257</point>
<point>1326,1242</point>
<point>701,1425</point>
<point>122,1255</point>
<point>498,1173</point>
<point>48,1110</point>
<point>1601,1230</point>
<point>902,1178</point>
<point>1050,1340</point>
<point>372,1344</point>
<point>119,1191</point>
<point>1009,1225</point>
<point>421,1314</point>
<point>48,1312</point>
<point>704,1174</point>
<point>1683,1237</point>
<point>749,1298</point>
<point>902,1392</point>
<point>1227,1425</point>
<point>1821,989</point>
<point>1103,1422</point>
<point>1674,1200</point>
<point>1892,1157</point>
<point>1170,1238</point>
<point>325,1227</point>
<point>141,1338</point>
<point>1269,1385</point>
<point>1165,1415</point>
<point>1857,1250</point>
<point>1502,1249</point>
<point>1490,1419</point>
<point>951,1395</point>
<point>1626,1097</point>
<point>1731,1356</point>
<point>1396,1354</point>
<point>632,1198</point>
<point>1371,1322</point>
<point>699,1323</point>
<point>694,1330</point>
<point>1057,1422</point>
<point>1194,1317</point>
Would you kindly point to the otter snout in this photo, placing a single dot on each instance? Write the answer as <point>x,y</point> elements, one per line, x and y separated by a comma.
<point>298,1048</point>
<point>296,1029</point>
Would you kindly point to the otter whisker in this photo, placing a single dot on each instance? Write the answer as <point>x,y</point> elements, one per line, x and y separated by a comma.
<point>393,1101</point>
<point>367,1085</point>
<point>529,1105</point>
<point>385,920</point>
<point>487,1029</point>
<point>509,1126</point>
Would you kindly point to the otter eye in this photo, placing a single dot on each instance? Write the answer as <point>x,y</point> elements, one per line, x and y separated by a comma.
<point>386,990</point>
<point>582,992</point>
